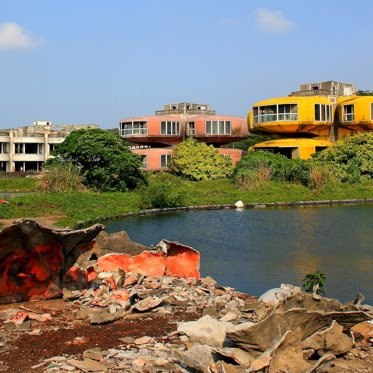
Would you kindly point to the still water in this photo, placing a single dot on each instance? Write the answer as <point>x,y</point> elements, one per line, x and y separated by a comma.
<point>258,249</point>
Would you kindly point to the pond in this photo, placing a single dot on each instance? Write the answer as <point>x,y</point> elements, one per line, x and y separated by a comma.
<point>258,249</point>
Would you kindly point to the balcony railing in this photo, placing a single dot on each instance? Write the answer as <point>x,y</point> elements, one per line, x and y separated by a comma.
<point>133,132</point>
<point>313,92</point>
<point>275,117</point>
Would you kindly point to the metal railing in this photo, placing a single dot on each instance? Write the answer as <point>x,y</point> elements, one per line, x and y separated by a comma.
<point>133,132</point>
<point>261,118</point>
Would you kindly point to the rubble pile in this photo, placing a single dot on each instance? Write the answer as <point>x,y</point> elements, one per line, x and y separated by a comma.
<point>160,316</point>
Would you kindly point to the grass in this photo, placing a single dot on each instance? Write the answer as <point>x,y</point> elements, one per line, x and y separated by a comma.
<point>17,184</point>
<point>89,206</point>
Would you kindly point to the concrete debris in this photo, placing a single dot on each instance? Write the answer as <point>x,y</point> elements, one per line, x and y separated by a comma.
<point>218,329</point>
<point>34,259</point>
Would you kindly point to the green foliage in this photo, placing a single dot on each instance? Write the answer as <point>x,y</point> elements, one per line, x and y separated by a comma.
<point>350,159</point>
<point>314,282</point>
<point>163,190</point>
<point>60,177</point>
<point>278,166</point>
<point>250,141</point>
<point>364,93</point>
<point>102,159</point>
<point>198,161</point>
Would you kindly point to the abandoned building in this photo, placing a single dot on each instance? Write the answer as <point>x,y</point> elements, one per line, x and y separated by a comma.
<point>156,135</point>
<point>311,119</point>
<point>27,148</point>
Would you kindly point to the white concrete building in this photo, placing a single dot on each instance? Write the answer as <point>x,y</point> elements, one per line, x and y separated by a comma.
<point>27,148</point>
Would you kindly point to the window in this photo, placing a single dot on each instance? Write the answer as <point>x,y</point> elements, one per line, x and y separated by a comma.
<point>218,127</point>
<point>275,113</point>
<point>323,113</point>
<point>33,148</point>
<point>165,160</point>
<point>348,113</point>
<point>134,128</point>
<point>144,160</point>
<point>19,148</point>
<point>52,147</point>
<point>170,128</point>
<point>190,128</point>
<point>4,148</point>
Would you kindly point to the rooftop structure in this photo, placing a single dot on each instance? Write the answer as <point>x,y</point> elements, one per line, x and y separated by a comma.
<point>27,148</point>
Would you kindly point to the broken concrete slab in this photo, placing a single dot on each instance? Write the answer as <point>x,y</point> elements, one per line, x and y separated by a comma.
<point>167,259</point>
<point>34,259</point>
<point>330,340</point>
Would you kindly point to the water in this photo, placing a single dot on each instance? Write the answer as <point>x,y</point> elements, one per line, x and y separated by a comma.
<point>258,249</point>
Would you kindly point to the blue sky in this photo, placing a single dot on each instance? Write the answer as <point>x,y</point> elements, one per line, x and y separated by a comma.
<point>95,61</point>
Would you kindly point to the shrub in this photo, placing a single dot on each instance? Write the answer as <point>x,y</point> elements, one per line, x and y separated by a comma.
<point>314,282</point>
<point>163,190</point>
<point>199,161</point>
<point>60,177</point>
<point>320,176</point>
<point>102,159</point>
<point>350,159</point>
<point>280,167</point>
<point>253,178</point>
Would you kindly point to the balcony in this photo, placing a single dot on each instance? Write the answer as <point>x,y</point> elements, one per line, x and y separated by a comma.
<point>262,118</point>
<point>133,132</point>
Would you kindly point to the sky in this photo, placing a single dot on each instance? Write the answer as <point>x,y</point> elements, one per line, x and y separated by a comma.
<point>96,61</point>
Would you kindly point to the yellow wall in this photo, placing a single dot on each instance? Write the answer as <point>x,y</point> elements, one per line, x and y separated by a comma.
<point>306,116</point>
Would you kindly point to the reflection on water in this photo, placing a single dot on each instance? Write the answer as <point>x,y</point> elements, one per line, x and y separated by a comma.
<point>254,250</point>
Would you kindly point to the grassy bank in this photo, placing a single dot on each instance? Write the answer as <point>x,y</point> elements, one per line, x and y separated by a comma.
<point>17,184</point>
<point>78,206</point>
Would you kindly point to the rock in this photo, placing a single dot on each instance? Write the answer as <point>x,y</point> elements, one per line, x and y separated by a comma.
<point>208,281</point>
<point>147,304</point>
<point>239,205</point>
<point>260,363</point>
<point>241,357</point>
<point>143,340</point>
<point>206,331</point>
<point>104,316</point>
<point>223,367</point>
<point>198,357</point>
<point>127,340</point>
<point>274,297</point>
<point>94,354</point>
<point>288,354</point>
<point>363,331</point>
<point>88,365</point>
<point>330,340</point>
<point>258,337</point>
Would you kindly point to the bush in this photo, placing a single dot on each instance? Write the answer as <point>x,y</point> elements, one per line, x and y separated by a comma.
<point>253,178</point>
<point>163,190</point>
<point>263,163</point>
<point>314,283</point>
<point>320,176</point>
<point>60,177</point>
<point>199,161</point>
<point>102,159</point>
<point>350,159</point>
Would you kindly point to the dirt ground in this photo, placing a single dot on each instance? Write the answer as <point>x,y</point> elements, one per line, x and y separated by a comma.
<point>45,221</point>
<point>66,335</point>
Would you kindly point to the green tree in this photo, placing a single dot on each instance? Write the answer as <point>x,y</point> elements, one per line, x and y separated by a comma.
<point>102,159</point>
<point>198,161</point>
<point>351,159</point>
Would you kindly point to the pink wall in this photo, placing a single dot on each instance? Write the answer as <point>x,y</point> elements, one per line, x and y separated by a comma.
<point>154,155</point>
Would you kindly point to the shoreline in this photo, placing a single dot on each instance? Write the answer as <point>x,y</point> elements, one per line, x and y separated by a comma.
<point>155,211</point>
